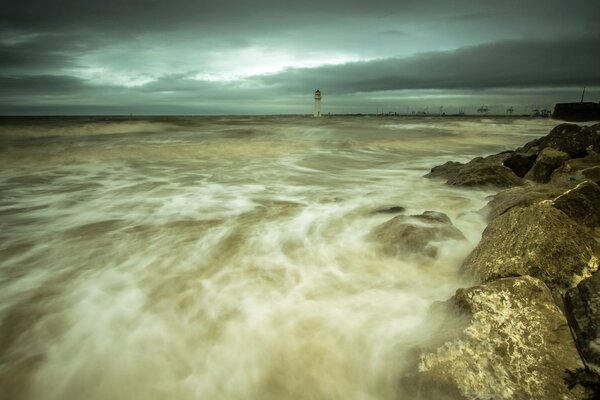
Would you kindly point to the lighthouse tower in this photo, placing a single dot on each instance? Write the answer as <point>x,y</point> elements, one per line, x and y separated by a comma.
<point>317,103</point>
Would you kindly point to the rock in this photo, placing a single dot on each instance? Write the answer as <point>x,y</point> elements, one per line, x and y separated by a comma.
<point>521,163</point>
<point>446,170</point>
<point>575,167</point>
<point>569,138</point>
<point>486,171</point>
<point>582,307</point>
<point>391,210</point>
<point>581,204</point>
<point>515,345</point>
<point>546,162</point>
<point>538,240</point>
<point>522,196</point>
<point>592,173</point>
<point>416,233</point>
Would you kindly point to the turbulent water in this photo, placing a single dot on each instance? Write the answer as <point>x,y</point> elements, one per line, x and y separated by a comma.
<point>224,258</point>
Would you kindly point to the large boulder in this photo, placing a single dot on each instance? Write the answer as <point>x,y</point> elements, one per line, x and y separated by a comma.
<point>488,171</point>
<point>582,307</point>
<point>581,204</point>
<point>569,138</point>
<point>522,196</point>
<point>538,240</point>
<point>546,162</point>
<point>416,234</point>
<point>446,170</point>
<point>515,345</point>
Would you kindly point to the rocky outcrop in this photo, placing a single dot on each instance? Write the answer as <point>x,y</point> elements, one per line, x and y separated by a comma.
<point>488,171</point>
<point>582,307</point>
<point>545,164</point>
<point>538,240</point>
<point>542,241</point>
<point>515,345</point>
<point>416,234</point>
<point>539,160</point>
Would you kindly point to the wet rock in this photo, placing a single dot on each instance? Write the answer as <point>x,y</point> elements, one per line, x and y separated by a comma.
<point>446,170</point>
<point>486,171</point>
<point>515,345</point>
<point>416,234</point>
<point>391,210</point>
<point>569,138</point>
<point>521,163</point>
<point>581,204</point>
<point>538,240</point>
<point>582,307</point>
<point>545,164</point>
<point>522,196</point>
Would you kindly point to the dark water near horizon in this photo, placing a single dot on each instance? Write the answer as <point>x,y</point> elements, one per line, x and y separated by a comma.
<point>224,257</point>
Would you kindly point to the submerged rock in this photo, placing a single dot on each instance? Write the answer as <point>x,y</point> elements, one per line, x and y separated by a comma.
<point>538,240</point>
<point>486,171</point>
<point>546,162</point>
<point>582,307</point>
<point>416,234</point>
<point>446,170</point>
<point>391,210</point>
<point>515,345</point>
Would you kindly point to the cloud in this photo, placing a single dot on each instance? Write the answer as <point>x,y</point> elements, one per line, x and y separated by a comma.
<point>570,62</point>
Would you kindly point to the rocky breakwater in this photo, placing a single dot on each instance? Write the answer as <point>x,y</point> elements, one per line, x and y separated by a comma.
<point>531,328</point>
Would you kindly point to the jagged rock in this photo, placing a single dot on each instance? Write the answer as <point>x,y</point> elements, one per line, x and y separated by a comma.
<point>522,196</point>
<point>581,204</point>
<point>515,345</point>
<point>446,170</point>
<point>569,138</point>
<point>582,307</point>
<point>538,240</point>
<point>546,162</point>
<point>486,171</point>
<point>521,163</point>
<point>416,233</point>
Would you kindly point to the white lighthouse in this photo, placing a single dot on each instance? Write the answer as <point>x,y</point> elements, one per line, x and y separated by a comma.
<point>317,103</point>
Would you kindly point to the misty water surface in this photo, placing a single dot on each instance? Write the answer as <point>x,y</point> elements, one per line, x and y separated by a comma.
<point>224,257</point>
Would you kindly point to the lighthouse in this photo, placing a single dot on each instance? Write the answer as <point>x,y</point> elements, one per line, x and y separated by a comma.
<point>317,103</point>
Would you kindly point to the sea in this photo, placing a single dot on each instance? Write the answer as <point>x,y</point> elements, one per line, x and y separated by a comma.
<point>226,257</point>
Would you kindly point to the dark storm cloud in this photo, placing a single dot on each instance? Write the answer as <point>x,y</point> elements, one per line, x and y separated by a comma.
<point>41,84</point>
<point>503,64</point>
<point>149,15</point>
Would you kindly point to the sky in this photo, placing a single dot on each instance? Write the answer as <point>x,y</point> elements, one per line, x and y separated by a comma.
<point>269,56</point>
